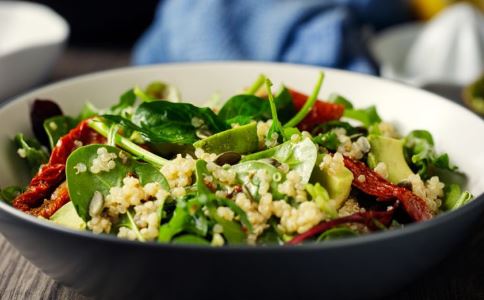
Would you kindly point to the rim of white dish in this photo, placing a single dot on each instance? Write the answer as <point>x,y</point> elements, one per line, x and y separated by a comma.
<point>332,244</point>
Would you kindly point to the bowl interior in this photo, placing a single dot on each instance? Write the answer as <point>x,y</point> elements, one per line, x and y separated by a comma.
<point>455,130</point>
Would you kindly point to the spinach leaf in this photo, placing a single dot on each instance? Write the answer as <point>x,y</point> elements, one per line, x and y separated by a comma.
<point>9,193</point>
<point>232,231</point>
<point>83,185</point>
<point>245,173</point>
<point>420,151</point>
<point>242,109</point>
<point>58,126</point>
<point>127,221</point>
<point>31,150</point>
<point>163,121</point>
<point>126,100</point>
<point>367,116</point>
<point>339,99</point>
<point>270,236</point>
<point>177,223</point>
<point>337,233</point>
<point>300,156</point>
<point>455,198</point>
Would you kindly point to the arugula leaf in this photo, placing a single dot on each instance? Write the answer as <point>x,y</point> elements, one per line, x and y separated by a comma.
<point>367,116</point>
<point>455,198</point>
<point>9,193</point>
<point>58,126</point>
<point>329,140</point>
<point>83,185</point>
<point>420,151</point>
<point>31,150</point>
<point>338,99</point>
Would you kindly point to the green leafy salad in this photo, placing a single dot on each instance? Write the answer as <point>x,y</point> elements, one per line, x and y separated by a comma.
<point>264,167</point>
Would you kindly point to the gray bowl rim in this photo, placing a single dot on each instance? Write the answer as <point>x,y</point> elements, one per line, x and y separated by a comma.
<point>308,247</point>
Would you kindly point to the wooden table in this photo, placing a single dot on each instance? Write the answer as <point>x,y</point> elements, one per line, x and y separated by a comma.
<point>460,276</point>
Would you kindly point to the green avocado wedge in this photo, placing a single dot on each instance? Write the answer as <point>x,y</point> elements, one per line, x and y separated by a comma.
<point>242,139</point>
<point>389,151</point>
<point>67,216</point>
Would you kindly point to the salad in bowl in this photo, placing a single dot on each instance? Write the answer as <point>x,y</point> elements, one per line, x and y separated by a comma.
<point>263,167</point>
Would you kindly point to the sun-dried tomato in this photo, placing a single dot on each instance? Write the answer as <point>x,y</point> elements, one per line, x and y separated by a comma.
<point>371,219</point>
<point>377,186</point>
<point>53,173</point>
<point>58,198</point>
<point>40,187</point>
<point>321,112</point>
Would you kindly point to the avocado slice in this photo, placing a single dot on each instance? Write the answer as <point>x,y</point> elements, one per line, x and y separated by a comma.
<point>242,139</point>
<point>389,151</point>
<point>67,216</point>
<point>336,181</point>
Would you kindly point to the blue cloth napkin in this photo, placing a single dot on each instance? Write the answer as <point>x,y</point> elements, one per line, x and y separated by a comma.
<point>317,32</point>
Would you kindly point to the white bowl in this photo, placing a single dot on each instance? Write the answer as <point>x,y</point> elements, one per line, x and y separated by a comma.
<point>394,257</point>
<point>32,37</point>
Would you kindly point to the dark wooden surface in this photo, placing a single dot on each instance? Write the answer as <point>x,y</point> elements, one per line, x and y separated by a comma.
<point>460,276</point>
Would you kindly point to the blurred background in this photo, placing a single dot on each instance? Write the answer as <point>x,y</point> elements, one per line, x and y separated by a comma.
<point>432,44</point>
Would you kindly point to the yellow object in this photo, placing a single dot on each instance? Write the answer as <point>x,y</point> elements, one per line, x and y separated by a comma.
<point>426,9</point>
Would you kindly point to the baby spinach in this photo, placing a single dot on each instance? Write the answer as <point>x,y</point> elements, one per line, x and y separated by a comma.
<point>420,151</point>
<point>368,116</point>
<point>242,109</point>
<point>339,99</point>
<point>9,193</point>
<point>58,126</point>
<point>177,223</point>
<point>163,121</point>
<point>300,156</point>
<point>246,175</point>
<point>32,151</point>
<point>127,100</point>
<point>82,185</point>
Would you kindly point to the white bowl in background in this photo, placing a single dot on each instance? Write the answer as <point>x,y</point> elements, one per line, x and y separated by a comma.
<point>32,37</point>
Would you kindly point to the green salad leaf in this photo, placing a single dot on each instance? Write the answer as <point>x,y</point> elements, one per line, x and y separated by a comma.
<point>339,99</point>
<point>127,220</point>
<point>32,151</point>
<point>9,193</point>
<point>421,154</point>
<point>83,185</point>
<point>368,116</point>
<point>58,126</point>
<point>329,140</point>
<point>455,198</point>
<point>337,233</point>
